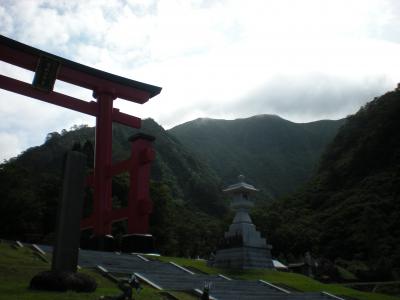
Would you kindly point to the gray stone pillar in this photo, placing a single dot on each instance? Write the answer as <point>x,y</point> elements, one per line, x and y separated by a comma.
<point>66,247</point>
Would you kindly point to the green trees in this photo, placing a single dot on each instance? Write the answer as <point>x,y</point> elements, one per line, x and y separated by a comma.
<point>26,202</point>
<point>353,203</point>
<point>275,154</point>
<point>185,191</point>
<point>349,212</point>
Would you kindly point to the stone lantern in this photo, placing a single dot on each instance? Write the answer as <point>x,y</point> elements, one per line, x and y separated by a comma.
<point>242,246</point>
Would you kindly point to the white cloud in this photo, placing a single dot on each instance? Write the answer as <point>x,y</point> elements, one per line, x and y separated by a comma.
<point>212,58</point>
<point>9,146</point>
<point>29,120</point>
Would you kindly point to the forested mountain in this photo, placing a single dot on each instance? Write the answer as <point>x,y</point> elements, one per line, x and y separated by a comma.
<point>276,155</point>
<point>350,211</point>
<point>190,212</point>
<point>185,191</point>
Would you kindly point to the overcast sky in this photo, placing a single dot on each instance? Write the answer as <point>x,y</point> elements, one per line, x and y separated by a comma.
<point>302,60</point>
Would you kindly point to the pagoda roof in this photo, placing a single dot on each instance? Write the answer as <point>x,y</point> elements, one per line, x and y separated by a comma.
<point>240,187</point>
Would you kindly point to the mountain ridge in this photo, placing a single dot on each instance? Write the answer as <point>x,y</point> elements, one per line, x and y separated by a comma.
<point>234,147</point>
<point>259,116</point>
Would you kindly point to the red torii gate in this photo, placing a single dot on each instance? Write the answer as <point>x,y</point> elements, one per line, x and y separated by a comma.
<point>106,87</point>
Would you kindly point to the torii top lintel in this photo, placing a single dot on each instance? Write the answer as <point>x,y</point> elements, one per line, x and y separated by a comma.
<point>27,57</point>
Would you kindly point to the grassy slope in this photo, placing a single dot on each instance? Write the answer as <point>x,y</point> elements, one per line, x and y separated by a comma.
<point>291,280</point>
<point>17,267</point>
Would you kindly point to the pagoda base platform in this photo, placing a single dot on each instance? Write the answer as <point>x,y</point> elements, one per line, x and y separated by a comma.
<point>244,257</point>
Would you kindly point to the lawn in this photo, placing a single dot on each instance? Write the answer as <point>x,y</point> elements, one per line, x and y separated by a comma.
<point>18,266</point>
<point>284,279</point>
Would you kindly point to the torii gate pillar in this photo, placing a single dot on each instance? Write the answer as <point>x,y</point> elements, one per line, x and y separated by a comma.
<point>103,158</point>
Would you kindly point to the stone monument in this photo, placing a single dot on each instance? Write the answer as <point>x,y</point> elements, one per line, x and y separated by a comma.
<point>242,246</point>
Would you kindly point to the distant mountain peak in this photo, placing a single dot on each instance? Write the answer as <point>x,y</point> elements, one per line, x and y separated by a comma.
<point>204,119</point>
<point>262,116</point>
<point>208,120</point>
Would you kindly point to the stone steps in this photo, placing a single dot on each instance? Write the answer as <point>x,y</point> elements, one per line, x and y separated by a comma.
<point>180,282</point>
<point>170,277</point>
<point>248,296</point>
<point>241,289</point>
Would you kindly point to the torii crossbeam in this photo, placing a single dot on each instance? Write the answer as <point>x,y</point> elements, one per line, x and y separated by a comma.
<point>106,88</point>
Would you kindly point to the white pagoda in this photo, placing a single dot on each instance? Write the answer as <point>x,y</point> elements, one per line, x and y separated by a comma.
<point>242,246</point>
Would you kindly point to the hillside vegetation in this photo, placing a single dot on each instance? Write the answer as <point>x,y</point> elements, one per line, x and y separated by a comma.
<point>276,155</point>
<point>190,211</point>
<point>347,213</point>
<point>188,205</point>
<point>350,211</point>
